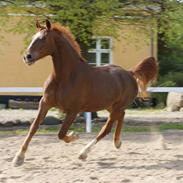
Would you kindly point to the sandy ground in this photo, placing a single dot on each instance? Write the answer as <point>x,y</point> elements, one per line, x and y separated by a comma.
<point>143,157</point>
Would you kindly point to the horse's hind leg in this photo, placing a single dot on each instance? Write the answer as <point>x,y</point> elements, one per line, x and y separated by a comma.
<point>104,131</point>
<point>65,127</point>
<point>117,134</point>
<point>43,109</point>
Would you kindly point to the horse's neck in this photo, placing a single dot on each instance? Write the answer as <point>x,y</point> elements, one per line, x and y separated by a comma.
<point>65,59</point>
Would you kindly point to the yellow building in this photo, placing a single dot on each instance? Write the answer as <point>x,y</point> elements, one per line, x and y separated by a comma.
<point>124,52</point>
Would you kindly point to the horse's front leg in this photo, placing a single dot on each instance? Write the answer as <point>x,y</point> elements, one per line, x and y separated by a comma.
<point>43,109</point>
<point>65,127</point>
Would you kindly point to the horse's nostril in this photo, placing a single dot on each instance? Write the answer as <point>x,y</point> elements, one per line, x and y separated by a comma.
<point>29,56</point>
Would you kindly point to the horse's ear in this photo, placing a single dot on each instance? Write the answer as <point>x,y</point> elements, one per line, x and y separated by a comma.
<point>38,25</point>
<point>48,24</point>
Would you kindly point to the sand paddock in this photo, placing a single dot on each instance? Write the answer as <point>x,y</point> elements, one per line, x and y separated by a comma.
<point>142,158</point>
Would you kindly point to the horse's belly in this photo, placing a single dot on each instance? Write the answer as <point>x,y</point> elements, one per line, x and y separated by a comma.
<point>100,102</point>
<point>94,108</point>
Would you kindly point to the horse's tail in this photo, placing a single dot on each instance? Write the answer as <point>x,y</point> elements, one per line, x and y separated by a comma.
<point>145,72</point>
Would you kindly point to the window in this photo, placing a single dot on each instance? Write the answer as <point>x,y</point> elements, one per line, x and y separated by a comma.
<point>100,52</point>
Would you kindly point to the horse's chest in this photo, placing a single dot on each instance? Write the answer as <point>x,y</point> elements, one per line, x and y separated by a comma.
<point>66,96</point>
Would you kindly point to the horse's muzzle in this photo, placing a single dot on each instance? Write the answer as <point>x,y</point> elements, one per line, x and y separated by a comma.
<point>28,59</point>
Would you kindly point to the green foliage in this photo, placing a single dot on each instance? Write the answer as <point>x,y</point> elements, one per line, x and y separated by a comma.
<point>171,60</point>
<point>171,23</point>
<point>171,79</point>
<point>83,17</point>
<point>86,17</point>
<point>161,99</point>
<point>80,15</point>
<point>170,44</point>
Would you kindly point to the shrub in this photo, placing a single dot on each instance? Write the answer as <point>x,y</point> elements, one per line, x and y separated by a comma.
<point>171,79</point>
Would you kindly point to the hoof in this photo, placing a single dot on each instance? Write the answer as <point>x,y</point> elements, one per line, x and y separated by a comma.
<point>72,136</point>
<point>18,159</point>
<point>75,137</point>
<point>117,144</point>
<point>82,156</point>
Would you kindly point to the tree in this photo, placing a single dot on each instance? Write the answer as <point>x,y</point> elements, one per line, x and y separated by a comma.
<point>168,14</point>
<point>170,36</point>
<point>83,17</point>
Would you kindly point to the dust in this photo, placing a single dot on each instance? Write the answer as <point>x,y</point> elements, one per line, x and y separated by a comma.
<point>157,138</point>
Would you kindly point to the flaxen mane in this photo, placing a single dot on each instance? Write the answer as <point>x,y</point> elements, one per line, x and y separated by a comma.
<point>68,35</point>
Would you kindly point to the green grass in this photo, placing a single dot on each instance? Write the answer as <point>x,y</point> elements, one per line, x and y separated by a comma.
<point>171,126</point>
<point>161,128</point>
<point>80,128</point>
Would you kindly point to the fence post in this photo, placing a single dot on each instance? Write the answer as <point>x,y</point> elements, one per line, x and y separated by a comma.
<point>88,118</point>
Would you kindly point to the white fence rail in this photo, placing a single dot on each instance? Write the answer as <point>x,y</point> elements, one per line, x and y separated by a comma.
<point>21,90</point>
<point>165,89</point>
<point>40,89</point>
<point>87,114</point>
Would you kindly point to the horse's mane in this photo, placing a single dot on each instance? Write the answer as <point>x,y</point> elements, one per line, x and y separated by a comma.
<point>68,35</point>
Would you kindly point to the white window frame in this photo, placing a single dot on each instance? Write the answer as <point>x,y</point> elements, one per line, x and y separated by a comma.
<point>98,50</point>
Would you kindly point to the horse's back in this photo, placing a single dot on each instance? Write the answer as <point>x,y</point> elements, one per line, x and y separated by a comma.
<point>127,82</point>
<point>118,74</point>
<point>112,84</point>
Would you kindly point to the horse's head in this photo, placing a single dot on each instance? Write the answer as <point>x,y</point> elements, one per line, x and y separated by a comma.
<point>41,44</point>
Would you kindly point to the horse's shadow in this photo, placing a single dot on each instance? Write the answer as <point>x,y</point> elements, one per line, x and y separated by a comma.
<point>168,164</point>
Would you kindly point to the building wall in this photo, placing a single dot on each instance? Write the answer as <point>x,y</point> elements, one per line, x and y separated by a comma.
<point>133,45</point>
<point>14,73</point>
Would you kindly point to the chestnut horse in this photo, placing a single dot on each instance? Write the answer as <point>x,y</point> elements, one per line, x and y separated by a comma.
<point>74,86</point>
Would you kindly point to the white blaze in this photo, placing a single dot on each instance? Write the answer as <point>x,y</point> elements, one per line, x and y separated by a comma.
<point>38,35</point>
